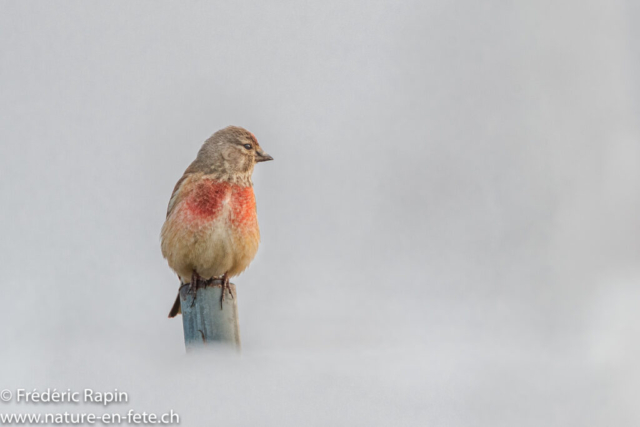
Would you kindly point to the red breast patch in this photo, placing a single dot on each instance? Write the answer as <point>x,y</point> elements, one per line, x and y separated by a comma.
<point>207,200</point>
<point>207,197</point>
<point>243,202</point>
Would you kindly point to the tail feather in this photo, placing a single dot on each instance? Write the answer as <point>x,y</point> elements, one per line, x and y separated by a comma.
<point>176,309</point>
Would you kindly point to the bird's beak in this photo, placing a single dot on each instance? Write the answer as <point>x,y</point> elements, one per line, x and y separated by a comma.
<point>261,156</point>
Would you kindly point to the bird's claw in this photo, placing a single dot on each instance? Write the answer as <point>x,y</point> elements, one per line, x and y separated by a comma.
<point>193,286</point>
<point>225,287</point>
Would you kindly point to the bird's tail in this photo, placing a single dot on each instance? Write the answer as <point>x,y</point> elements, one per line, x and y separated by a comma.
<point>176,309</point>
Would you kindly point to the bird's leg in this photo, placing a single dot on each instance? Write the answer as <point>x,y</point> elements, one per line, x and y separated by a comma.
<point>225,287</point>
<point>193,286</point>
<point>232,292</point>
<point>195,281</point>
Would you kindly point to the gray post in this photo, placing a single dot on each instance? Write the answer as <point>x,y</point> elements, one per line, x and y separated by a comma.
<point>205,320</point>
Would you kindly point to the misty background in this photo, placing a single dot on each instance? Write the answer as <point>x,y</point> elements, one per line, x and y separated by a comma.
<point>450,228</point>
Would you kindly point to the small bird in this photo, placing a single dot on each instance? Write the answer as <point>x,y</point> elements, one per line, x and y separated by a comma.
<point>211,230</point>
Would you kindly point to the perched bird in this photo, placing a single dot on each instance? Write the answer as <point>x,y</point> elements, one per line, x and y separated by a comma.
<point>211,229</point>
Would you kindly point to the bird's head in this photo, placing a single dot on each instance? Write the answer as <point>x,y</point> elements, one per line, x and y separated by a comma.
<point>232,152</point>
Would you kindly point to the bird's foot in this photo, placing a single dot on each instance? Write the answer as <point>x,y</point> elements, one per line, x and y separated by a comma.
<point>193,286</point>
<point>225,288</point>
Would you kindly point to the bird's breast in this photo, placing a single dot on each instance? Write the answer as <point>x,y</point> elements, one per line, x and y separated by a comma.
<point>222,204</point>
<point>207,199</point>
<point>214,229</point>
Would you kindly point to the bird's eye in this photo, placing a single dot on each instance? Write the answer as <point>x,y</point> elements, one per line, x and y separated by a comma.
<point>247,146</point>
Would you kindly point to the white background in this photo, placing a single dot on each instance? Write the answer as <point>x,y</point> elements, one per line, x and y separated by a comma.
<point>450,228</point>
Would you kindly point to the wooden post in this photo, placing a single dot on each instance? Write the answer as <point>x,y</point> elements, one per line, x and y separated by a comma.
<point>205,320</point>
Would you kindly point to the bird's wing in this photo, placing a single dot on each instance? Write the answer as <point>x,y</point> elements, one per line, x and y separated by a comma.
<point>193,171</point>
<point>177,195</point>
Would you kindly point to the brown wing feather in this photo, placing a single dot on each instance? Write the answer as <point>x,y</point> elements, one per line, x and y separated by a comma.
<point>174,195</point>
<point>194,168</point>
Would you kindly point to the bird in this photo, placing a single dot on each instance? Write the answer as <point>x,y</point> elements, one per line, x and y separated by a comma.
<point>211,229</point>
